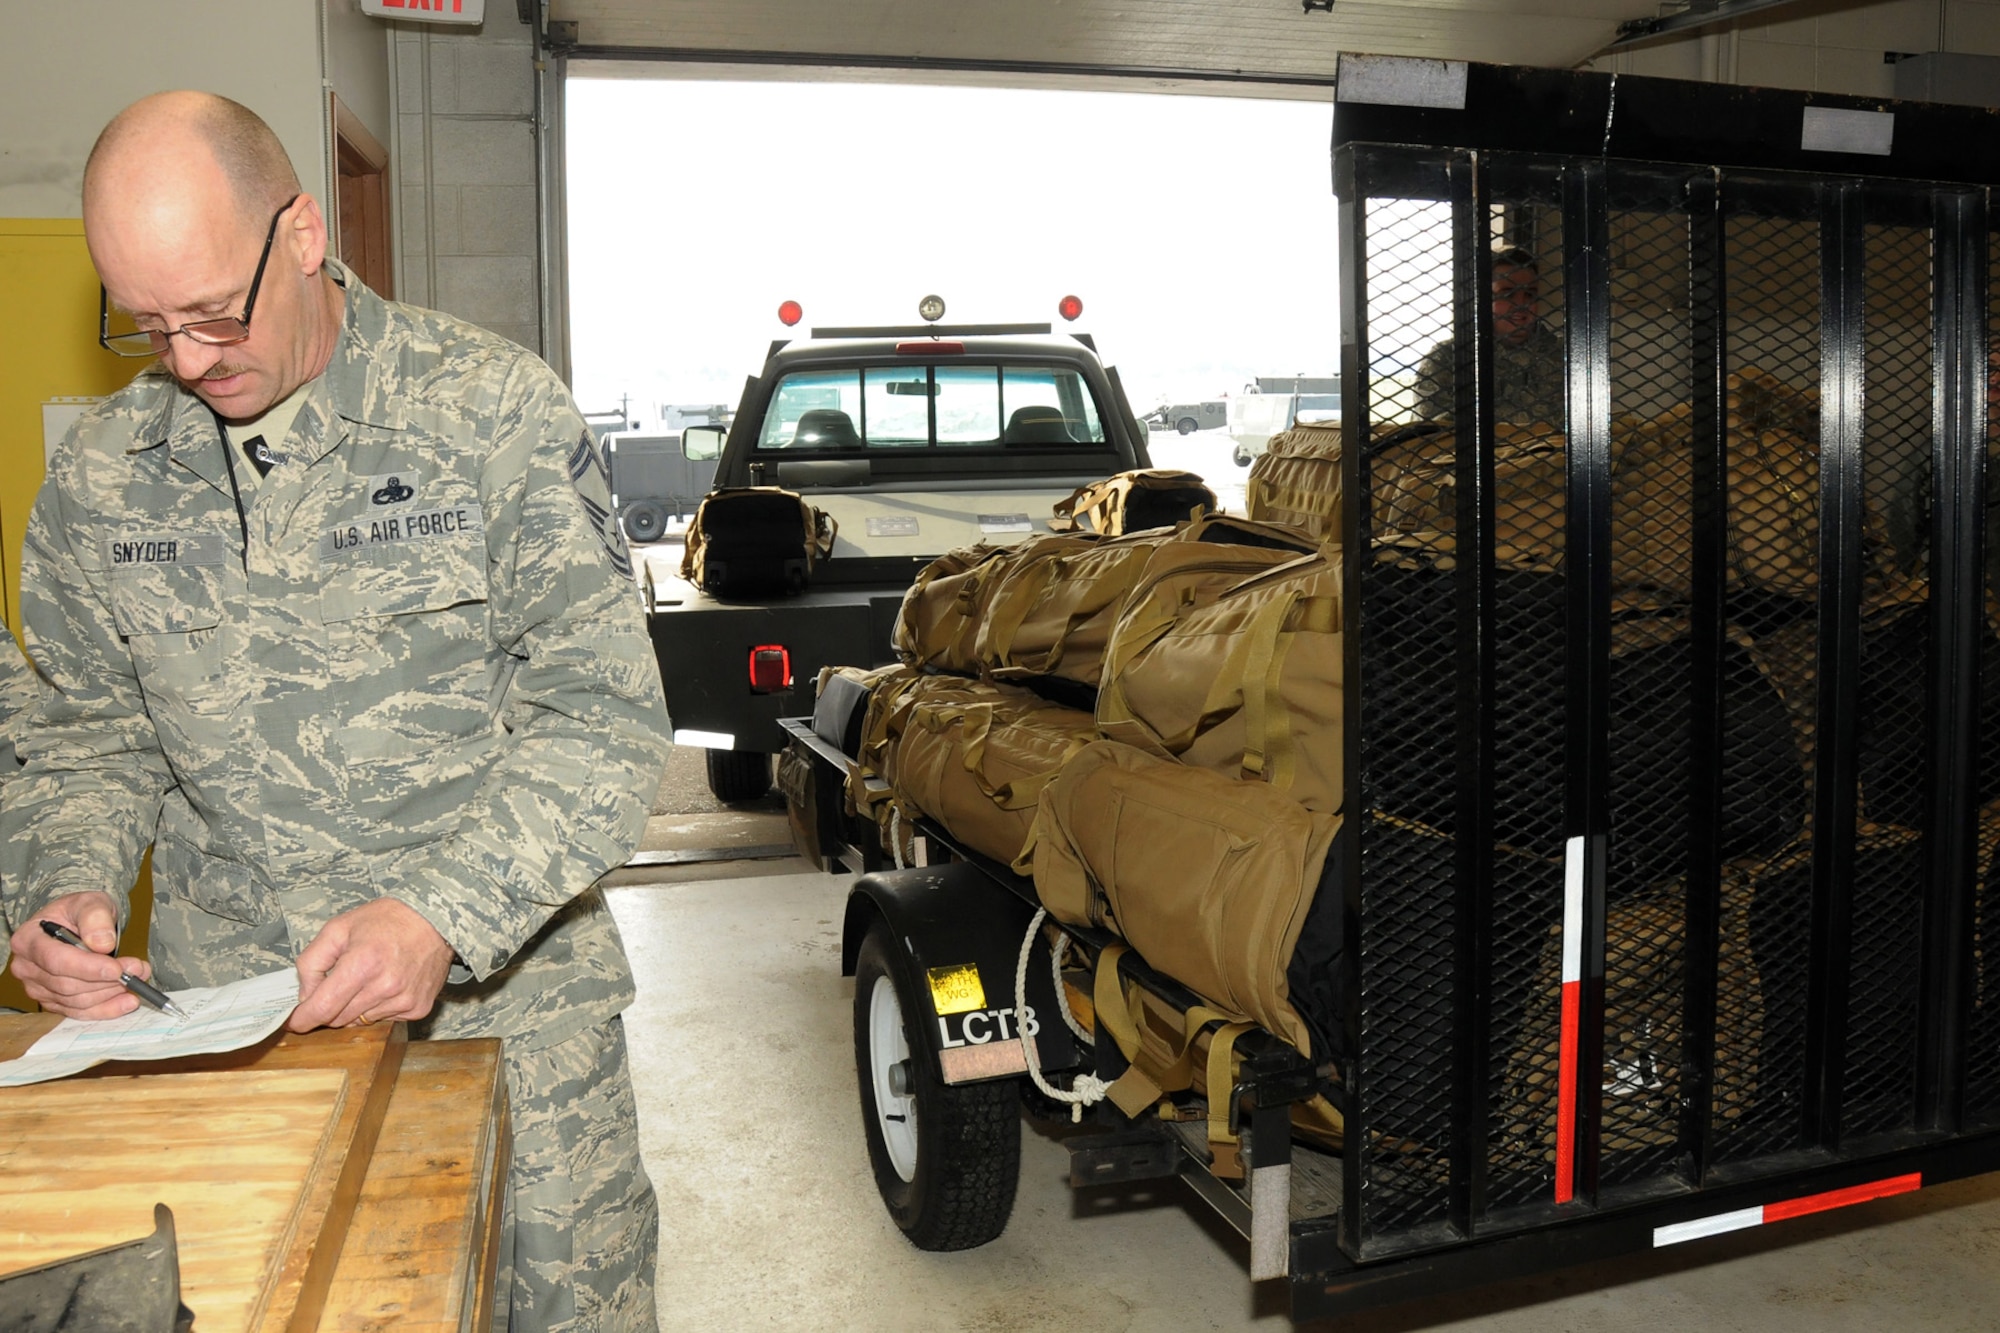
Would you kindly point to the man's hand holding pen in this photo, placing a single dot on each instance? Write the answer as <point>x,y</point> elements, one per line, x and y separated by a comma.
<point>77,983</point>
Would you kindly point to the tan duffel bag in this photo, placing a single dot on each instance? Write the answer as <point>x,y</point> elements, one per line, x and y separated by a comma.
<point>1246,681</point>
<point>940,614</point>
<point>1055,607</point>
<point>1209,878</point>
<point>1297,480</point>
<point>1134,501</point>
<point>976,760</point>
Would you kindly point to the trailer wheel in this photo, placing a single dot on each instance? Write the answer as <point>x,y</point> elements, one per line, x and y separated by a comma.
<point>1186,425</point>
<point>645,521</point>
<point>738,775</point>
<point>947,1157</point>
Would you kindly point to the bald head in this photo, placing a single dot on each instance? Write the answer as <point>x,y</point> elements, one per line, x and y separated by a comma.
<point>235,140</point>
<point>179,194</point>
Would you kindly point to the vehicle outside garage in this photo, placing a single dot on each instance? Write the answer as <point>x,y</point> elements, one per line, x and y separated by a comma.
<point>912,441</point>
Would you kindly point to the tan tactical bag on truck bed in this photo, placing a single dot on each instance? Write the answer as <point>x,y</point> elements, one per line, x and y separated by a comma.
<point>1134,501</point>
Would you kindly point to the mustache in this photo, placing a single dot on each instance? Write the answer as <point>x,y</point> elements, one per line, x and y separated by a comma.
<point>220,371</point>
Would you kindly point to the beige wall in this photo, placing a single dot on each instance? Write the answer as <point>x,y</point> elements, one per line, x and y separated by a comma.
<point>1828,46</point>
<point>71,69</point>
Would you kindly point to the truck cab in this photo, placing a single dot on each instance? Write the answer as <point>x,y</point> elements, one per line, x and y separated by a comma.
<point>914,441</point>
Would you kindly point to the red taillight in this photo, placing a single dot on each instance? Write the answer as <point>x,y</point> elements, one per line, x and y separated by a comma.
<point>1070,307</point>
<point>790,313</point>
<point>770,668</point>
<point>930,348</point>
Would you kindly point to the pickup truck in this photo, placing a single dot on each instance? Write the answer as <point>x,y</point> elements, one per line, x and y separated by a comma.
<point>915,441</point>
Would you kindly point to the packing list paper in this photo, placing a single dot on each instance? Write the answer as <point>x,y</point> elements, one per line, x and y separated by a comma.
<point>219,1018</point>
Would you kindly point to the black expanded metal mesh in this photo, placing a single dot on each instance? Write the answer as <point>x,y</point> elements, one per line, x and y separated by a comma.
<point>1892,712</point>
<point>1713,694</point>
<point>1408,949</point>
<point>1772,277</point>
<point>1531,648</point>
<point>1982,1053</point>
<point>1651,701</point>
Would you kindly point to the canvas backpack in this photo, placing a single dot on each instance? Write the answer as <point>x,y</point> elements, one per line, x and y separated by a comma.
<point>1297,480</point>
<point>942,611</point>
<point>1134,501</point>
<point>1244,678</point>
<point>755,541</point>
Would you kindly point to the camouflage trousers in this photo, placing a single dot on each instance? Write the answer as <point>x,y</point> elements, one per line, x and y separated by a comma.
<point>586,1227</point>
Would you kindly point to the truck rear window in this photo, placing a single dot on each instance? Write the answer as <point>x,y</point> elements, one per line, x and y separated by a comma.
<point>918,406</point>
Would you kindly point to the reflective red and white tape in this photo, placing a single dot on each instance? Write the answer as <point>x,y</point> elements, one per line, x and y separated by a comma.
<point>1778,1212</point>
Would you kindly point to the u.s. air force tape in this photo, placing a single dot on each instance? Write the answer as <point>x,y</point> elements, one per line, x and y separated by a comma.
<point>131,550</point>
<point>416,525</point>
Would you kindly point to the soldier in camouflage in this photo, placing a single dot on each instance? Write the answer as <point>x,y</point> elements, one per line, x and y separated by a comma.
<point>20,694</point>
<point>337,617</point>
<point>1527,354</point>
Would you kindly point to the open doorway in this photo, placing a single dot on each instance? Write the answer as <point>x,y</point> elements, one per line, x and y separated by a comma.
<point>361,201</point>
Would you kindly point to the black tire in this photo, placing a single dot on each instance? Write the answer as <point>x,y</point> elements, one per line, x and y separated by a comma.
<point>1186,426</point>
<point>1243,458</point>
<point>949,1183</point>
<point>645,521</point>
<point>738,775</point>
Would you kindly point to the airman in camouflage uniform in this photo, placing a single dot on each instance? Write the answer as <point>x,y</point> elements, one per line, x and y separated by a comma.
<point>20,693</point>
<point>387,696</point>
<point>1528,361</point>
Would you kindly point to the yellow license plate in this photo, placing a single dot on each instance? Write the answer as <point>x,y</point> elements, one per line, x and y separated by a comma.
<point>956,990</point>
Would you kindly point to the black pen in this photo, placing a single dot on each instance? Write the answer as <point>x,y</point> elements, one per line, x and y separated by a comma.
<point>149,995</point>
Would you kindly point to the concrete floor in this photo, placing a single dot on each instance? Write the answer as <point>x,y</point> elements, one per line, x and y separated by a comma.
<point>743,1057</point>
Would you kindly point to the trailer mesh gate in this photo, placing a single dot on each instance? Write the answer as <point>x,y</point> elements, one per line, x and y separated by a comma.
<point>1675,706</point>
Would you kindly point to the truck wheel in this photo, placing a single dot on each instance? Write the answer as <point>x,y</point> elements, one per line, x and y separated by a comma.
<point>645,521</point>
<point>738,775</point>
<point>1186,425</point>
<point>947,1157</point>
<point>1243,458</point>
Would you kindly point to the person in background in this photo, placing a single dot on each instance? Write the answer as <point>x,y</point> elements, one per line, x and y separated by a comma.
<point>333,593</point>
<point>1528,362</point>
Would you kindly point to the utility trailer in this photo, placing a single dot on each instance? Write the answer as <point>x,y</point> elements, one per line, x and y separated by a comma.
<point>1611,981</point>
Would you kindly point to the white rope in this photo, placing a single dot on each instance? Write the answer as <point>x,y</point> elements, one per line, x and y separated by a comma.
<point>1062,992</point>
<point>1086,1089</point>
<point>896,834</point>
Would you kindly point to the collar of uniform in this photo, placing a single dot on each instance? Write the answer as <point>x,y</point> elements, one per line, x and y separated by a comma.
<point>363,375</point>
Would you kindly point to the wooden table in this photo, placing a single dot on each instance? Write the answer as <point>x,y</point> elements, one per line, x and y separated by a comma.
<point>403,1228</point>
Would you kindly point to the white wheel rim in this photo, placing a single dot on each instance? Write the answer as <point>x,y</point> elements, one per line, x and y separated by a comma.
<point>895,1114</point>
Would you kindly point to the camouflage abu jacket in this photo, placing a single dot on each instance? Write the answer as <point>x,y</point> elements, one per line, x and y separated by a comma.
<point>411,665</point>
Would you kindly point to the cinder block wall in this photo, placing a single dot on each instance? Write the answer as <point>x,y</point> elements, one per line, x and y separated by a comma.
<point>466,230</point>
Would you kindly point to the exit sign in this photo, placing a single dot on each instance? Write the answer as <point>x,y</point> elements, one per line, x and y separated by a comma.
<point>427,11</point>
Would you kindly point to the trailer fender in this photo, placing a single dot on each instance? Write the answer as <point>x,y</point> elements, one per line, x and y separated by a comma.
<point>960,936</point>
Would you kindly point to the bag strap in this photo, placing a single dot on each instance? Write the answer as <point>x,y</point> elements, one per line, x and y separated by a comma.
<point>1224,1148</point>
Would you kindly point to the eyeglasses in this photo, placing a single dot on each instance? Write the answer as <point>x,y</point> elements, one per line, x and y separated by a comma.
<point>212,332</point>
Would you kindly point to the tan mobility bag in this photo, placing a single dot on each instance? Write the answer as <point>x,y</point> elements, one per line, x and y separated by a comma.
<point>1297,480</point>
<point>890,704</point>
<point>1246,682</point>
<point>1167,1051</point>
<point>1051,606</point>
<point>976,763</point>
<point>1134,501</point>
<point>1057,601</point>
<point>1209,878</point>
<point>942,611</point>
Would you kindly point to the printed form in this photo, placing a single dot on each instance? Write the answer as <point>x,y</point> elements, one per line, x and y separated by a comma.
<point>219,1018</point>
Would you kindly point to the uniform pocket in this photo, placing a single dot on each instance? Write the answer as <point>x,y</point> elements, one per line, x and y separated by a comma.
<point>170,617</point>
<point>413,676</point>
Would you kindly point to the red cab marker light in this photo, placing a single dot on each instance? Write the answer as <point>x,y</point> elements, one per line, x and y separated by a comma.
<point>790,313</point>
<point>930,347</point>
<point>1070,307</point>
<point>770,668</point>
